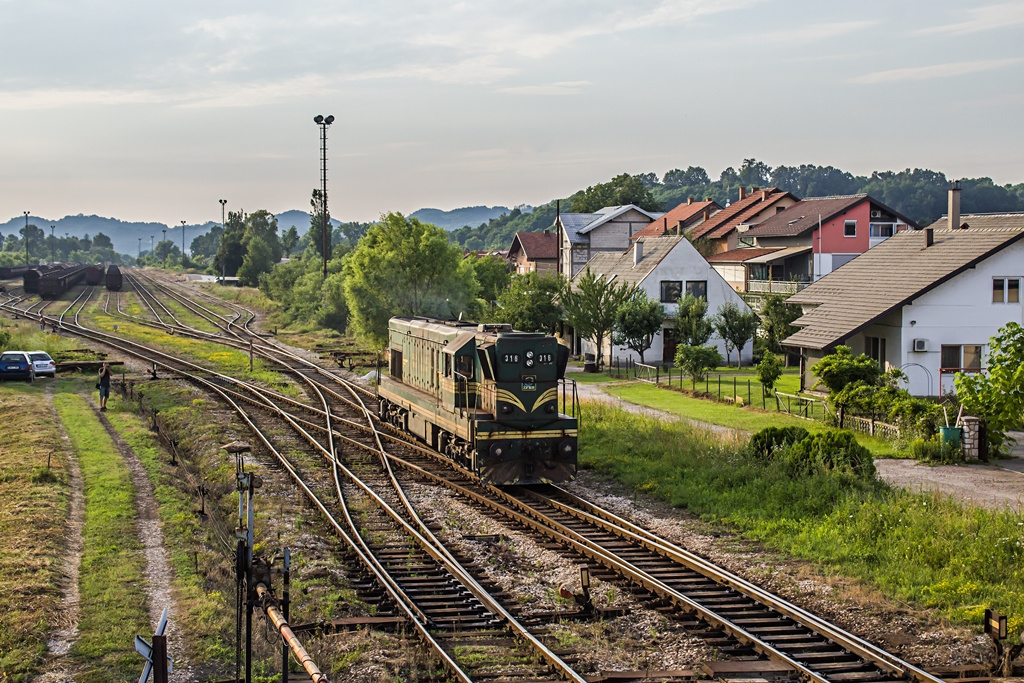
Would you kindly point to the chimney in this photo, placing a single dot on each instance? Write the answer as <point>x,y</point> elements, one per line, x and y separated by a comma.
<point>546,231</point>
<point>707,213</point>
<point>664,225</point>
<point>638,252</point>
<point>764,195</point>
<point>708,199</point>
<point>929,237</point>
<point>954,206</point>
<point>689,200</point>
<point>743,192</point>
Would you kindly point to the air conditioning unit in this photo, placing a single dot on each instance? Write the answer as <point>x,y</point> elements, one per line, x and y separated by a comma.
<point>920,345</point>
<point>876,214</point>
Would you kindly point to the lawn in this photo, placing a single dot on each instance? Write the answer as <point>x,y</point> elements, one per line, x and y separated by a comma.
<point>747,419</point>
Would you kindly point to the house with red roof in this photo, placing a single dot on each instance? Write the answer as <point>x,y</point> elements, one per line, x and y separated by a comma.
<point>687,215</point>
<point>720,229</point>
<point>534,252</point>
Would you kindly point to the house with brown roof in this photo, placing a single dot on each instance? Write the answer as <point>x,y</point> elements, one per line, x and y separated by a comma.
<point>925,301</point>
<point>687,215</point>
<point>534,252</point>
<point>607,231</point>
<point>719,230</point>
<point>666,268</point>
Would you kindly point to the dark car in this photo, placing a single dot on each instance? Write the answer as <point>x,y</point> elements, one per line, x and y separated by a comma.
<point>17,365</point>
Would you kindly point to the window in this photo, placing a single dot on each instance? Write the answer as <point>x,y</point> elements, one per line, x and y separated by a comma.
<point>698,288</point>
<point>850,229</point>
<point>745,242</point>
<point>671,290</point>
<point>396,364</point>
<point>966,357</point>
<point>1005,290</point>
<point>875,347</point>
<point>880,229</point>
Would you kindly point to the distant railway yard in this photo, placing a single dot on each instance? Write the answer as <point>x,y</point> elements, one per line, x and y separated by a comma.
<point>253,489</point>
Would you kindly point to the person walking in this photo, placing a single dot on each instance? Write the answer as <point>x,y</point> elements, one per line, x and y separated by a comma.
<point>104,386</point>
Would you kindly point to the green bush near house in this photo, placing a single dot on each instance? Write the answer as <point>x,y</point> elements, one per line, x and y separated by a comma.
<point>769,441</point>
<point>833,450</point>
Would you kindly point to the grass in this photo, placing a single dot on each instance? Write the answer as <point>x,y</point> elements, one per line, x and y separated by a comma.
<point>746,419</point>
<point>924,549</point>
<point>33,508</point>
<point>112,584</point>
<point>203,614</point>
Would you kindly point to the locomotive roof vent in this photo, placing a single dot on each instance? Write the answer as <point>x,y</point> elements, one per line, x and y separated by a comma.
<point>495,327</point>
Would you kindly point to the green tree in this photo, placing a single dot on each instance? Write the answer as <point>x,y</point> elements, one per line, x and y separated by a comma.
<point>637,322</point>
<point>258,259</point>
<point>841,368</point>
<point>405,267</point>
<point>592,305</point>
<point>736,327</point>
<point>769,370</point>
<point>316,223</point>
<point>493,274</point>
<point>289,240</point>
<point>230,253</point>
<point>531,303</point>
<point>206,244</point>
<point>696,361</point>
<point>621,190</point>
<point>102,241</point>
<point>165,249</point>
<point>998,394</point>
<point>692,325</point>
<point>262,224</point>
<point>777,320</point>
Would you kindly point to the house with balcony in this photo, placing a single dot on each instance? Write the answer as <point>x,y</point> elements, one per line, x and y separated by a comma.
<point>665,268</point>
<point>534,252</point>
<point>925,301</point>
<point>582,236</point>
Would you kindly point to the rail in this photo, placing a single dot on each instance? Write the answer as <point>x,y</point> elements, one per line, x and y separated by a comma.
<point>647,373</point>
<point>775,286</point>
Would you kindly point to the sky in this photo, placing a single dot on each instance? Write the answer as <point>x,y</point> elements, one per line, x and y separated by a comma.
<point>154,111</point>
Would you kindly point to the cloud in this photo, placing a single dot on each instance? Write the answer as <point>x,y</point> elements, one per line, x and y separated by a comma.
<point>923,73</point>
<point>57,98</point>
<point>559,88</point>
<point>978,19</point>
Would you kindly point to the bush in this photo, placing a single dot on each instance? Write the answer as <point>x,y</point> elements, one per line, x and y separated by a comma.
<point>696,361</point>
<point>831,450</point>
<point>767,442</point>
<point>769,370</point>
<point>935,451</point>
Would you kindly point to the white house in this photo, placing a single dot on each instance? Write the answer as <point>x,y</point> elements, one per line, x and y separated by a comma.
<point>925,301</point>
<point>666,268</point>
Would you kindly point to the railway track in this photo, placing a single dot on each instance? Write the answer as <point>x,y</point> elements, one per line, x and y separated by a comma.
<point>745,622</point>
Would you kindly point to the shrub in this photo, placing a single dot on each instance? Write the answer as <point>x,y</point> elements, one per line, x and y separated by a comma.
<point>831,450</point>
<point>769,370</point>
<point>767,442</point>
<point>935,451</point>
<point>696,361</point>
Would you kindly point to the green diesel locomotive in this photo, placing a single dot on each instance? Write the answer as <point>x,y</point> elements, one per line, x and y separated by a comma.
<point>485,396</point>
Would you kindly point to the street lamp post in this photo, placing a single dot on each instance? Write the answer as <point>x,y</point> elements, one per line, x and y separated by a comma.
<point>26,236</point>
<point>139,256</point>
<point>53,245</point>
<point>183,247</point>
<point>323,123</point>
<point>151,246</point>
<point>224,259</point>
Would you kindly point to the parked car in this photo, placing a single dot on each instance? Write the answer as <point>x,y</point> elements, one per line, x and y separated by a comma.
<point>44,365</point>
<point>16,365</point>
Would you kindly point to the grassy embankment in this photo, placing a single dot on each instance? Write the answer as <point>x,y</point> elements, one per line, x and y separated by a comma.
<point>33,510</point>
<point>112,584</point>
<point>919,548</point>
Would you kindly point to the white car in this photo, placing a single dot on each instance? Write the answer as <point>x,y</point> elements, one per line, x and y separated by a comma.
<point>44,365</point>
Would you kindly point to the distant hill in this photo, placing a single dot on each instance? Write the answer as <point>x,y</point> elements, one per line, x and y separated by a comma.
<point>457,218</point>
<point>125,235</point>
<point>300,219</point>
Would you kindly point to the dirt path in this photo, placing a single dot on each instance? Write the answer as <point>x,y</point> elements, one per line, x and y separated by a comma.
<point>158,566</point>
<point>996,485</point>
<point>57,668</point>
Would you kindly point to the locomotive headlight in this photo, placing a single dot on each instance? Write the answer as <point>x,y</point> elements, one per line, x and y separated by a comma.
<point>529,354</point>
<point>529,362</point>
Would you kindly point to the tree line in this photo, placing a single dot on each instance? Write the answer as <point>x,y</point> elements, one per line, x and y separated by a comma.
<point>59,248</point>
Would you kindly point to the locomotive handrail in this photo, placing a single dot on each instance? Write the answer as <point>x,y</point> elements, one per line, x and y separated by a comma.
<point>575,405</point>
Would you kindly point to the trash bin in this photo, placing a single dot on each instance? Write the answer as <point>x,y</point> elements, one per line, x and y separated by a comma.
<point>951,436</point>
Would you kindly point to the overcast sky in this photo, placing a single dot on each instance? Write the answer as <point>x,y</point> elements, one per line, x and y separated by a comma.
<point>154,111</point>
